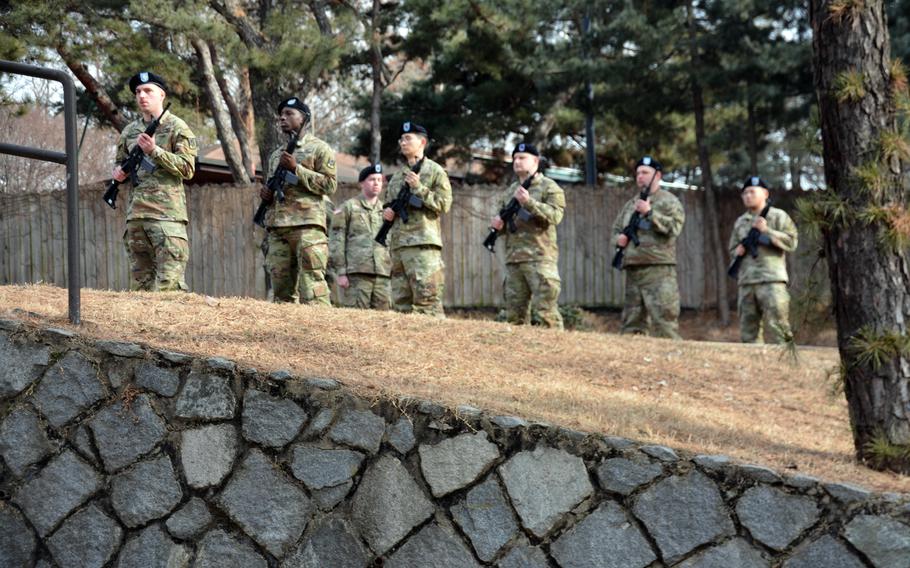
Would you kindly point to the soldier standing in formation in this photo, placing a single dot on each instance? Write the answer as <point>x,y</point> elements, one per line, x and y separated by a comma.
<point>418,272</point>
<point>762,281</point>
<point>361,265</point>
<point>297,236</point>
<point>532,278</point>
<point>652,292</point>
<point>156,218</point>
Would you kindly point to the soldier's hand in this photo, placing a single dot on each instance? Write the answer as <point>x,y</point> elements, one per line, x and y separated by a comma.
<point>412,179</point>
<point>643,206</point>
<point>147,143</point>
<point>497,223</point>
<point>118,174</point>
<point>521,195</point>
<point>388,214</point>
<point>343,282</point>
<point>740,250</point>
<point>622,241</point>
<point>265,194</point>
<point>761,224</point>
<point>287,161</point>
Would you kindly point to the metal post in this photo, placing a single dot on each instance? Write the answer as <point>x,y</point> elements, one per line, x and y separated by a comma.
<point>590,155</point>
<point>71,160</point>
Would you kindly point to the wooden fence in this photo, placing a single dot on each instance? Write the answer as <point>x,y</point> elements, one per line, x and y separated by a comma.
<point>225,258</point>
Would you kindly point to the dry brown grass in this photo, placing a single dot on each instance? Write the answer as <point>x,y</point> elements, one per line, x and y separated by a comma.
<point>743,401</point>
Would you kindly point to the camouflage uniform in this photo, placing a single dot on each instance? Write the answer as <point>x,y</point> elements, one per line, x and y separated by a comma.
<point>354,253</point>
<point>298,244</point>
<point>652,292</point>
<point>532,279</point>
<point>763,281</point>
<point>155,237</point>
<point>418,272</point>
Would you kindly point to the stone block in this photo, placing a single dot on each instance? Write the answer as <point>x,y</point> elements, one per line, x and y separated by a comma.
<point>206,397</point>
<point>265,504</point>
<point>456,462</point>
<point>544,485</point>
<point>68,388</point>
<point>604,539</point>
<point>329,544</point>
<point>326,499</point>
<point>17,541</point>
<point>219,549</point>
<point>734,553</point>
<point>88,539</point>
<point>320,468</point>
<point>360,429</point>
<point>485,516</point>
<point>207,454</point>
<point>825,552</point>
<point>271,421</point>
<point>157,379</point>
<point>401,435</point>
<point>123,434</point>
<point>388,504</point>
<point>152,548</point>
<point>663,453</point>
<point>524,556</point>
<point>146,491</point>
<point>884,541</point>
<point>623,476</point>
<point>22,365</point>
<point>847,492</point>
<point>775,518</point>
<point>23,441</point>
<point>433,546</point>
<point>319,423</point>
<point>120,348</point>
<point>190,520</point>
<point>682,513</point>
<point>65,483</point>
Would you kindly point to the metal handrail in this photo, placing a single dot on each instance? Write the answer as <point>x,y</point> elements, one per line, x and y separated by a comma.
<point>70,160</point>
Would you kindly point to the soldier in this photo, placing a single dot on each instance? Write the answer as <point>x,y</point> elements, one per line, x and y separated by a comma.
<point>361,265</point>
<point>532,278</point>
<point>762,281</point>
<point>418,273</point>
<point>298,247</point>
<point>652,292</point>
<point>155,237</point>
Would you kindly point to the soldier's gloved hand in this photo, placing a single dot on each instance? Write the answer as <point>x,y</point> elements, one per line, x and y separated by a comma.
<point>521,195</point>
<point>761,224</point>
<point>265,194</point>
<point>622,241</point>
<point>118,174</point>
<point>343,282</point>
<point>497,223</point>
<point>388,214</point>
<point>412,179</point>
<point>147,143</point>
<point>643,206</point>
<point>740,250</point>
<point>287,161</point>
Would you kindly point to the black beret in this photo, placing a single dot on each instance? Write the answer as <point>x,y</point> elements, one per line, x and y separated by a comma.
<point>412,128</point>
<point>527,148</point>
<point>650,162</point>
<point>144,77</point>
<point>369,170</point>
<point>296,103</point>
<point>754,181</point>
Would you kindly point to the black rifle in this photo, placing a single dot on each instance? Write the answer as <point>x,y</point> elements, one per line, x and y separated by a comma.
<point>276,184</point>
<point>631,230</point>
<point>750,243</point>
<point>400,206</point>
<point>508,213</point>
<point>130,165</point>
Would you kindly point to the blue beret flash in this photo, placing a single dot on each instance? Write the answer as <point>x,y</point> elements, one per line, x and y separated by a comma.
<point>406,126</point>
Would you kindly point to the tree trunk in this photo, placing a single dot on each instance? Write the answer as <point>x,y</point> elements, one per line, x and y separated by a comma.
<point>246,105</point>
<point>870,283</point>
<point>238,125</point>
<point>94,88</point>
<point>711,217</point>
<point>753,134</point>
<point>376,102</point>
<point>219,114</point>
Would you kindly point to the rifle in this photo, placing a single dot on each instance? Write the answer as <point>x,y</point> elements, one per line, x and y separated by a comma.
<point>130,165</point>
<point>631,230</point>
<point>507,214</point>
<point>750,243</point>
<point>276,184</point>
<point>400,206</point>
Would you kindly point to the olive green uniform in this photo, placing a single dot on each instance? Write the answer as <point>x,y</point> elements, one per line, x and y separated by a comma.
<point>418,272</point>
<point>532,279</point>
<point>297,236</point>
<point>652,291</point>
<point>354,252</point>
<point>156,217</point>
<point>762,281</point>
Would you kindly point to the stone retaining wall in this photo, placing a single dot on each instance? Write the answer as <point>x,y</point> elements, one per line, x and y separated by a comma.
<point>115,454</point>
